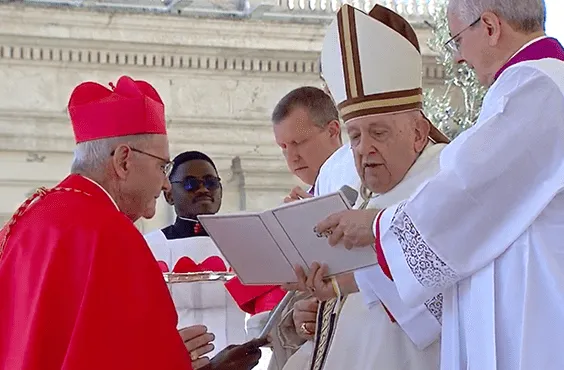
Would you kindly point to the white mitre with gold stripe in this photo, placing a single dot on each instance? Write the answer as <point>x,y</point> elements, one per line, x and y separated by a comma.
<point>372,64</point>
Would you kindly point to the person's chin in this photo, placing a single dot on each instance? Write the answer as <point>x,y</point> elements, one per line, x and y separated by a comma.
<point>149,214</point>
<point>305,176</point>
<point>150,210</point>
<point>206,208</point>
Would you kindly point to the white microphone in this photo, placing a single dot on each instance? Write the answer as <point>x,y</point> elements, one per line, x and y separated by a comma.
<point>350,194</point>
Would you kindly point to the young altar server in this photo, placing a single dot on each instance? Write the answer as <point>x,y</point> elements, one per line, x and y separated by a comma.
<point>186,247</point>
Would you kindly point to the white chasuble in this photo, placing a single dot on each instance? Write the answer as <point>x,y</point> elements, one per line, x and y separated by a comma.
<point>488,230</point>
<point>205,303</point>
<point>364,336</point>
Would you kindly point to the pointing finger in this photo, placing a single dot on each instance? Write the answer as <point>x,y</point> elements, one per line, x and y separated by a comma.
<point>329,223</point>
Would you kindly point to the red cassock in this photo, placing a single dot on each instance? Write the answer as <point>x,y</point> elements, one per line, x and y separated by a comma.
<point>80,289</point>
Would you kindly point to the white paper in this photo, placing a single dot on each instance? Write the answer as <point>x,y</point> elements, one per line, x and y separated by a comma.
<point>263,247</point>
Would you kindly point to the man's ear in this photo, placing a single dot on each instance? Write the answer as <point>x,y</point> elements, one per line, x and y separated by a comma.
<point>422,129</point>
<point>168,197</point>
<point>334,128</point>
<point>121,160</point>
<point>492,24</point>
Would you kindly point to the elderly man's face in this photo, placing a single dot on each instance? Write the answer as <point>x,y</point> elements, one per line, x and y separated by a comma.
<point>142,169</point>
<point>304,145</point>
<point>475,46</point>
<point>386,146</point>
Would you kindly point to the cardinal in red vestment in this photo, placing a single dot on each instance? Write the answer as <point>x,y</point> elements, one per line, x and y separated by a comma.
<point>79,287</point>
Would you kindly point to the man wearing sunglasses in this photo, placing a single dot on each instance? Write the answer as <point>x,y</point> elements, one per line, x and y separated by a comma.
<point>186,247</point>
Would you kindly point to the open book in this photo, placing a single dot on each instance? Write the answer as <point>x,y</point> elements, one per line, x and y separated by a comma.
<point>263,247</point>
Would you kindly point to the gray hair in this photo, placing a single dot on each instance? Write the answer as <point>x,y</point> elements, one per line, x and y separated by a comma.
<point>523,15</point>
<point>91,156</point>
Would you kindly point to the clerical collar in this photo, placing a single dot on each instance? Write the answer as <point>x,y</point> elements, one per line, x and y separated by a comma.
<point>184,228</point>
<point>528,44</point>
<point>101,187</point>
<point>513,60</point>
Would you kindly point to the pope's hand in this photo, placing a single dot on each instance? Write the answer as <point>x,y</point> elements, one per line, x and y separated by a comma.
<point>313,283</point>
<point>297,193</point>
<point>305,317</point>
<point>353,228</point>
<point>197,341</point>
<point>238,357</point>
<point>319,287</point>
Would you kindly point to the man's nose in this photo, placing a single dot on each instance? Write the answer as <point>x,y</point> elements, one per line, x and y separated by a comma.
<point>364,146</point>
<point>167,186</point>
<point>292,154</point>
<point>201,188</point>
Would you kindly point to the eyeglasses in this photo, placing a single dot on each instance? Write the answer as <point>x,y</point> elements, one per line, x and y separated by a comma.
<point>453,44</point>
<point>191,183</point>
<point>166,167</point>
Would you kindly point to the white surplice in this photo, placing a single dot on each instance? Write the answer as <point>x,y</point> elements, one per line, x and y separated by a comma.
<point>487,230</point>
<point>337,171</point>
<point>365,337</point>
<point>206,303</point>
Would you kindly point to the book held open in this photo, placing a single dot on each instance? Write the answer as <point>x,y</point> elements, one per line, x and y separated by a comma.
<point>263,247</point>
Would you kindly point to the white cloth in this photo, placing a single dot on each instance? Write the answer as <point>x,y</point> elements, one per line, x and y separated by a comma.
<point>365,337</point>
<point>337,171</point>
<point>487,230</point>
<point>206,303</point>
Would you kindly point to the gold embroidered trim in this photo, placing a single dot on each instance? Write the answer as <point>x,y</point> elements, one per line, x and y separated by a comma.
<point>39,194</point>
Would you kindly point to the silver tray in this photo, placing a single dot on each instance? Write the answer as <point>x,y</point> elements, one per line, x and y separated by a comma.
<point>195,277</point>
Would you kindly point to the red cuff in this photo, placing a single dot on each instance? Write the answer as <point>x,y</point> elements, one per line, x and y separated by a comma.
<point>254,299</point>
<point>379,251</point>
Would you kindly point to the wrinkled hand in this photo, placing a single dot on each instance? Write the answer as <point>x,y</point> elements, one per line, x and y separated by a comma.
<point>353,228</point>
<point>238,357</point>
<point>319,287</point>
<point>312,283</point>
<point>305,317</point>
<point>297,193</point>
<point>197,341</point>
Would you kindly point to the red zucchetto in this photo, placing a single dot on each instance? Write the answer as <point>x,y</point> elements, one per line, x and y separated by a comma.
<point>130,108</point>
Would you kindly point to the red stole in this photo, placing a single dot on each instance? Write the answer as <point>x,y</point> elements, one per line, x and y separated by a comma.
<point>547,47</point>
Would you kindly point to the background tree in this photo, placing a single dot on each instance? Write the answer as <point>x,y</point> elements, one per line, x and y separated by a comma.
<point>451,119</point>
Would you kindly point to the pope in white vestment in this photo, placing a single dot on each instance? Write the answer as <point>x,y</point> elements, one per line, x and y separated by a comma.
<point>487,229</point>
<point>380,331</point>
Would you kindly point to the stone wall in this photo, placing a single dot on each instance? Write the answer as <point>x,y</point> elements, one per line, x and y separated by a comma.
<point>219,78</point>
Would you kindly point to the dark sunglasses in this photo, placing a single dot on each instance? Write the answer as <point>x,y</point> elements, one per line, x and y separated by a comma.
<point>192,183</point>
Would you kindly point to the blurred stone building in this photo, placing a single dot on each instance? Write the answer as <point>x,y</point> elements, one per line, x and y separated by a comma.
<point>219,65</point>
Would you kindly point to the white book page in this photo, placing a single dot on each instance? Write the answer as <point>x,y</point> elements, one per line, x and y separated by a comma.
<point>298,221</point>
<point>249,247</point>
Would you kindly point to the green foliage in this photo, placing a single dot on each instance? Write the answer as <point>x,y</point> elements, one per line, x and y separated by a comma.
<point>459,79</point>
